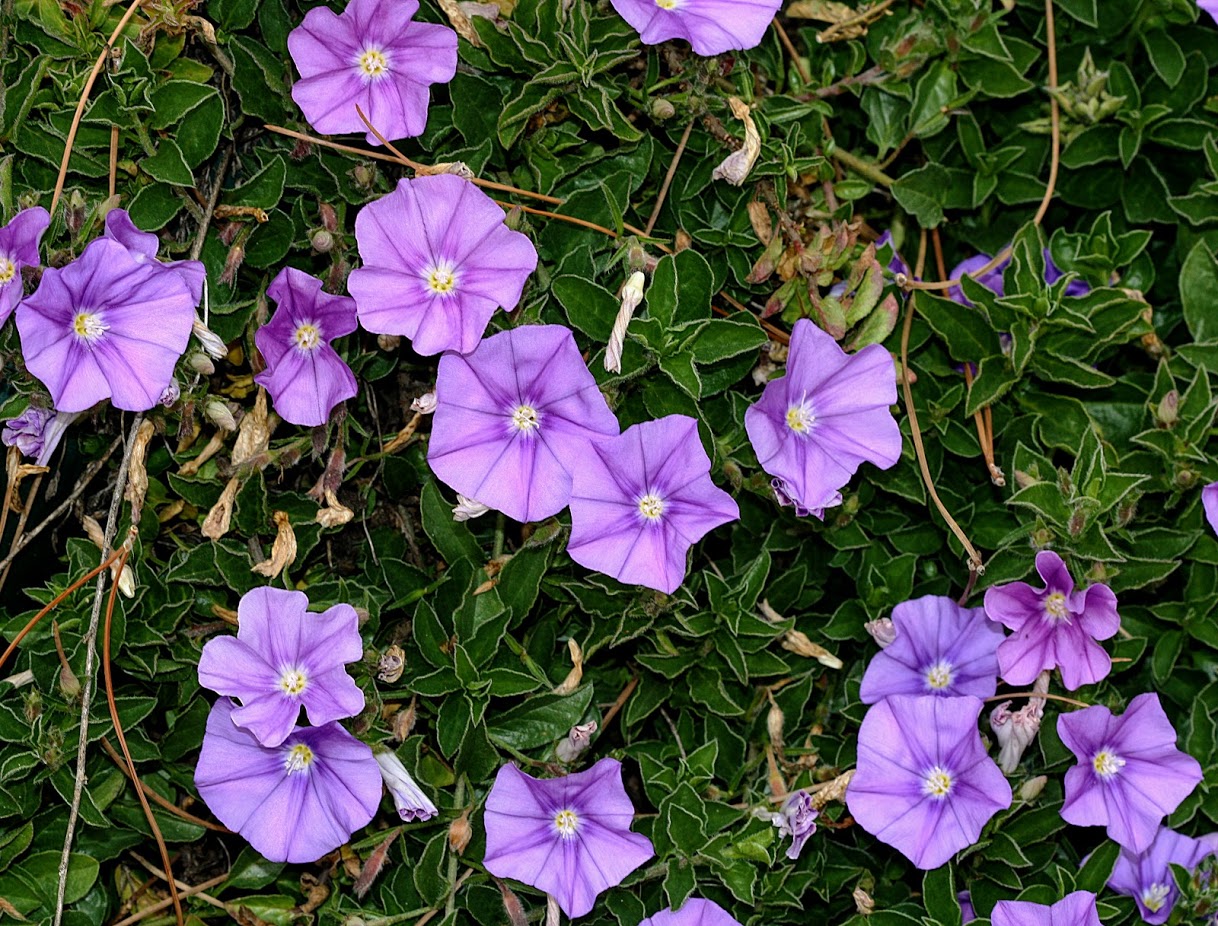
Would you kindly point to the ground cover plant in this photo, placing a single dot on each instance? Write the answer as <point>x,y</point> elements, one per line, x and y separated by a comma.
<point>625,461</point>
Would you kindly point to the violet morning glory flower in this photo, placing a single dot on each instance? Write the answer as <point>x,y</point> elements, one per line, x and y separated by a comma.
<point>797,819</point>
<point>304,374</point>
<point>897,263</point>
<point>710,26</point>
<point>1130,774</point>
<point>512,419</point>
<point>569,836</point>
<point>438,262</point>
<point>940,649</point>
<point>36,432</point>
<point>1077,909</point>
<point>815,426</point>
<point>143,247</point>
<point>993,279</point>
<point>374,56</point>
<point>923,782</point>
<point>1147,877</point>
<point>1209,500</point>
<point>967,913</point>
<point>694,912</point>
<point>19,241</point>
<point>641,500</point>
<point>285,657</point>
<point>293,802</point>
<point>1054,626</point>
<point>106,326</point>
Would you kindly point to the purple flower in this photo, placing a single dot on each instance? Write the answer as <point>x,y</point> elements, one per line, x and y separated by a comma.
<point>1054,626</point>
<point>283,658</point>
<point>293,802</point>
<point>967,913</point>
<point>694,912</point>
<point>1147,877</point>
<point>1209,6</point>
<point>992,279</point>
<point>304,374</point>
<point>1077,909</point>
<point>569,837</point>
<point>814,427</point>
<point>142,246</point>
<point>940,649</point>
<point>36,432</point>
<point>897,264</point>
<point>373,56</point>
<point>641,500</point>
<point>797,819</point>
<point>923,783</point>
<point>438,261</point>
<point>512,418</point>
<point>1209,497</point>
<point>1130,774</point>
<point>710,26</point>
<point>106,326</point>
<point>408,798</point>
<point>19,241</point>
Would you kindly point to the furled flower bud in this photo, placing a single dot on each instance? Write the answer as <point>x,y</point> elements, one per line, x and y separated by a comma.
<point>883,631</point>
<point>1015,731</point>
<point>1168,411</point>
<point>217,412</point>
<point>1030,789</point>
<point>576,742</point>
<point>863,902</point>
<point>468,509</point>
<point>201,363</point>
<point>460,833</point>
<point>632,295</point>
<point>37,432</point>
<point>322,241</point>
<point>424,404</point>
<point>797,819</point>
<point>411,803</point>
<point>216,348</point>
<point>773,723</point>
<point>662,109</point>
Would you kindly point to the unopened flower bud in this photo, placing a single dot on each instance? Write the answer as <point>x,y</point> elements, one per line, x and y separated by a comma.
<point>1023,480</point>
<point>1030,789</point>
<point>662,109</point>
<point>1078,522</point>
<point>69,684</point>
<point>126,582</point>
<point>576,742</point>
<point>392,662</point>
<point>632,295</point>
<point>329,218</point>
<point>773,723</point>
<point>1185,478</point>
<point>322,241</point>
<point>863,902</point>
<point>201,363</point>
<point>514,218</point>
<point>364,175</point>
<point>218,413</point>
<point>32,708</point>
<point>411,803</point>
<point>1168,411</point>
<point>388,342</point>
<point>424,404</point>
<point>883,631</point>
<point>211,342</point>
<point>460,833</point>
<point>468,509</point>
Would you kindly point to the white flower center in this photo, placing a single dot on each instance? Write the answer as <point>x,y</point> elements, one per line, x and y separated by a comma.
<point>1107,764</point>
<point>1055,607</point>
<point>800,418</point>
<point>651,506</point>
<point>441,278</point>
<point>293,681</point>
<point>307,337</point>
<point>1155,896</point>
<point>8,270</point>
<point>88,326</point>
<point>939,675</point>
<point>566,822</point>
<point>525,419</point>
<point>937,783</point>
<point>299,758</point>
<point>373,64</point>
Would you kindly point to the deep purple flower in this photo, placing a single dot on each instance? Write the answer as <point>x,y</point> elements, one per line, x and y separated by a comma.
<point>1130,774</point>
<point>438,262</point>
<point>1147,877</point>
<point>967,913</point>
<point>993,280</point>
<point>36,432</point>
<point>409,800</point>
<point>1077,909</point>
<point>923,782</point>
<point>815,426</point>
<point>1209,498</point>
<point>293,802</point>
<point>106,326</point>
<point>694,912</point>
<point>285,657</point>
<point>143,247</point>
<point>569,837</point>
<point>19,241</point>
<point>512,418</point>
<point>1054,626</point>
<point>710,26</point>
<point>940,649</point>
<point>641,500</point>
<point>304,374</point>
<point>797,819</point>
<point>373,56</point>
<point>897,264</point>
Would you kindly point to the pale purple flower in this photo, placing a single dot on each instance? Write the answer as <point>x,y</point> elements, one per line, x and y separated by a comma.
<point>923,782</point>
<point>797,819</point>
<point>293,802</point>
<point>694,912</point>
<point>1130,774</point>
<point>575,743</point>
<point>641,500</point>
<point>19,241</point>
<point>1147,876</point>
<point>36,432</point>
<point>1209,6</point>
<point>1209,498</point>
<point>409,800</point>
<point>1077,909</point>
<point>304,374</point>
<point>815,426</point>
<point>1015,730</point>
<point>1054,626</point>
<point>512,419</point>
<point>569,837</point>
<point>438,262</point>
<point>993,279</point>
<point>374,56</point>
<point>710,26</point>
<point>940,649</point>
<point>143,246</point>
<point>283,658</point>
<point>106,326</point>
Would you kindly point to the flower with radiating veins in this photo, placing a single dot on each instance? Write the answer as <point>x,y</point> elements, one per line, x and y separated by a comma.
<point>569,837</point>
<point>283,658</point>
<point>797,819</point>
<point>641,500</point>
<point>1077,909</point>
<point>923,782</point>
<point>143,247</point>
<point>19,241</point>
<point>694,912</point>
<point>293,802</point>
<point>36,432</point>
<point>438,263</point>
<point>408,798</point>
<point>710,26</point>
<point>1147,876</point>
<point>375,56</point>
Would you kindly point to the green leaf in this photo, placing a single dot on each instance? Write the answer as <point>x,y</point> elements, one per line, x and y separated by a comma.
<point>264,189</point>
<point>590,307</point>
<point>681,370</point>
<point>921,193</point>
<point>1098,868</point>
<point>722,338</point>
<point>40,872</point>
<point>681,289</point>
<point>452,538</point>
<point>168,165</point>
<point>1165,56</point>
<point>1198,291</point>
<point>174,99</point>
<point>939,894</point>
<point>966,332</point>
<point>540,720</point>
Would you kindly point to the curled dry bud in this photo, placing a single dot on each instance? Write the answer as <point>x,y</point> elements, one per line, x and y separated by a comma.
<point>774,721</point>
<point>391,664</point>
<point>403,722</point>
<point>216,348</point>
<point>424,404</point>
<point>1030,789</point>
<point>576,743</point>
<point>863,902</point>
<point>883,631</point>
<point>460,833</point>
<point>736,166</point>
<point>388,342</point>
<point>632,295</point>
<point>797,642</point>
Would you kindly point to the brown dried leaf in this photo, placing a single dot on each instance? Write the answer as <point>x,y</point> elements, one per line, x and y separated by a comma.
<point>797,642</point>
<point>137,472</point>
<point>283,550</point>
<point>9,910</point>
<point>759,216</point>
<point>826,11</point>
<point>736,166</point>
<point>335,514</point>
<point>460,22</point>
<point>214,446</point>
<point>575,676</point>
<point>254,436</point>
<point>216,524</point>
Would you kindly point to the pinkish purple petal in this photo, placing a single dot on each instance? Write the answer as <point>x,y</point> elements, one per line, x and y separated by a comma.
<point>710,26</point>
<point>1077,909</point>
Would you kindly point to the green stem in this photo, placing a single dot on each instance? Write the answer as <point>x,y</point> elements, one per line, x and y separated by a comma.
<point>497,549</point>
<point>859,166</point>
<point>454,863</point>
<point>398,917</point>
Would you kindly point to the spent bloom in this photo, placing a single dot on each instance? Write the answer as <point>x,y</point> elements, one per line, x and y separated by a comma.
<point>1130,774</point>
<point>694,912</point>
<point>882,630</point>
<point>438,262</point>
<point>641,500</point>
<point>923,783</point>
<point>797,819</point>
<point>36,432</point>
<point>408,798</point>
<point>285,657</point>
<point>1147,876</point>
<point>710,26</point>
<point>375,56</point>
<point>815,426</point>
<point>1016,730</point>
<point>304,374</point>
<point>19,241</point>
<point>293,802</point>
<point>1077,909</point>
<point>569,836</point>
<point>142,246</point>
<point>1055,626</point>
<point>940,649</point>
<point>512,418</point>
<point>106,326</point>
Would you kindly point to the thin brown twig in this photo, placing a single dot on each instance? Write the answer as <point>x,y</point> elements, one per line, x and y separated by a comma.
<point>1036,694</point>
<point>179,886</point>
<point>865,15</point>
<point>201,235</point>
<point>617,705</point>
<point>26,507</point>
<point>113,159</point>
<point>672,172</point>
<point>162,904</point>
<point>156,798</point>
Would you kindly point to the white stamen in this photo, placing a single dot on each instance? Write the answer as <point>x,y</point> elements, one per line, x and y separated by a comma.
<point>651,506</point>
<point>525,419</point>
<point>307,337</point>
<point>1155,896</point>
<point>566,822</point>
<point>373,63</point>
<point>441,278</point>
<point>937,783</point>
<point>293,681</point>
<point>88,326</point>
<point>8,270</point>
<point>800,417</point>
<point>1055,607</point>
<point>939,675</point>
<point>299,758</point>
<point>1107,764</point>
